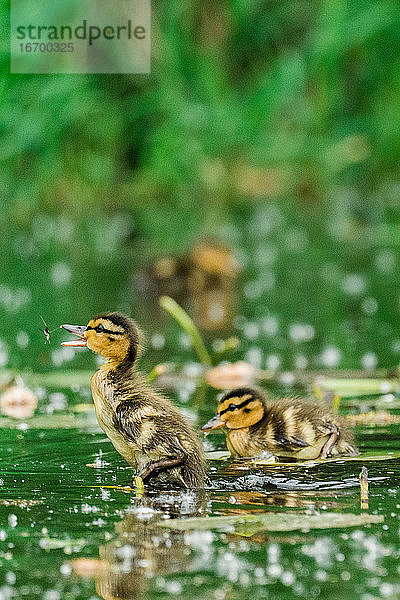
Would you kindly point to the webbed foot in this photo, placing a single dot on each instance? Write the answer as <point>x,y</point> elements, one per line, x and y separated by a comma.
<point>157,466</point>
<point>330,442</point>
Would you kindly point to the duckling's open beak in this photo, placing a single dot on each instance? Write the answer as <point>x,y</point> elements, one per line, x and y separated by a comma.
<point>78,330</point>
<point>213,423</point>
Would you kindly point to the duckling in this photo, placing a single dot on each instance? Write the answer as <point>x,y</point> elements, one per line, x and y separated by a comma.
<point>144,426</point>
<point>290,427</point>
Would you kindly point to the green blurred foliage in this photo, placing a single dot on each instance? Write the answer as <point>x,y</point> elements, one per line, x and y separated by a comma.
<point>307,91</point>
<point>250,104</point>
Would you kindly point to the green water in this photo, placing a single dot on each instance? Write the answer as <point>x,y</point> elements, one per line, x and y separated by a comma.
<point>297,308</point>
<point>55,510</point>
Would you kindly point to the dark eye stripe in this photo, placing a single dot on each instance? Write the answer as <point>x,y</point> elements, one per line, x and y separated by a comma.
<point>229,409</point>
<point>105,330</point>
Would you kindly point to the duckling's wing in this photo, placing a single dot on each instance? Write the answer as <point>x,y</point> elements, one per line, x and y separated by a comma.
<point>147,427</point>
<point>130,416</point>
<point>127,418</point>
<point>291,443</point>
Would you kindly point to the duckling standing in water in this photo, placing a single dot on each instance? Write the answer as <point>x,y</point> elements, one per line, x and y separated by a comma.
<point>144,427</point>
<point>290,427</point>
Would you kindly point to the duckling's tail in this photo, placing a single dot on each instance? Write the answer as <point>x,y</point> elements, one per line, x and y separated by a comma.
<point>344,447</point>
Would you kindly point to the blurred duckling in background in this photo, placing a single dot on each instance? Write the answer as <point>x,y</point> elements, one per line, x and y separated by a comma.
<point>290,427</point>
<point>144,427</point>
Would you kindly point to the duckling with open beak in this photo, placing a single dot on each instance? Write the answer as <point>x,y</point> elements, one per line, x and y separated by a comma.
<point>145,427</point>
<point>78,330</point>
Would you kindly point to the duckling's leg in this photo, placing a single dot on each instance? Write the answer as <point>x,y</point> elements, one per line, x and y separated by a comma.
<point>330,442</point>
<point>161,465</point>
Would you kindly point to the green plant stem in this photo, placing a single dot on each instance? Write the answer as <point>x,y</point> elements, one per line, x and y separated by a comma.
<point>187,324</point>
<point>336,403</point>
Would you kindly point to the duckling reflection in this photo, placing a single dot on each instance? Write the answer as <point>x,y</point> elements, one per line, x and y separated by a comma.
<point>140,551</point>
<point>251,502</point>
<point>141,548</point>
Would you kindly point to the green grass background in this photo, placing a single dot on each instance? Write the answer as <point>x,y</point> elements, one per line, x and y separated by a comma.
<point>273,125</point>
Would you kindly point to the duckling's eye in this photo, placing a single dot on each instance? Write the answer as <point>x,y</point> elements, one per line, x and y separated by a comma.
<point>232,407</point>
<point>99,328</point>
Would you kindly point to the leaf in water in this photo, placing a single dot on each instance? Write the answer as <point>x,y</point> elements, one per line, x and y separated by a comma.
<point>249,524</point>
<point>58,379</point>
<point>218,455</point>
<point>47,543</point>
<point>231,375</point>
<point>18,402</point>
<point>357,387</point>
<point>90,567</point>
<point>56,421</point>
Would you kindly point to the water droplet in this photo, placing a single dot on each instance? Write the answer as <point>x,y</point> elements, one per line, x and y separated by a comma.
<point>299,332</point>
<point>369,306</point>
<point>331,356</point>
<point>369,360</point>
<point>354,284</point>
<point>60,274</point>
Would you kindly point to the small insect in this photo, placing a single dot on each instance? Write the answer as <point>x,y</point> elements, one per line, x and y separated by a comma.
<point>46,331</point>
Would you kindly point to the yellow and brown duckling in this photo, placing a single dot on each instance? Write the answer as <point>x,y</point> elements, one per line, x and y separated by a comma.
<point>144,426</point>
<point>290,427</point>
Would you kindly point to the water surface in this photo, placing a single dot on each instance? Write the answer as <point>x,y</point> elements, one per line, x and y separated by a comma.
<point>69,528</point>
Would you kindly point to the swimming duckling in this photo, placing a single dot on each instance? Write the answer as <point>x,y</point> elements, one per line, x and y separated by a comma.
<point>290,427</point>
<point>144,427</point>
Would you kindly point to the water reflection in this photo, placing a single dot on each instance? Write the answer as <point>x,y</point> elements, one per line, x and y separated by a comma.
<point>143,553</point>
<point>251,501</point>
<point>143,549</point>
<point>140,551</point>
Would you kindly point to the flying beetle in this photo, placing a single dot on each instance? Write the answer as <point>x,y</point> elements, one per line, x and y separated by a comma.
<point>46,331</point>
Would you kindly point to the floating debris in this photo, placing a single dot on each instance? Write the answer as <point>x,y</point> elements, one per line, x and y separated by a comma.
<point>90,567</point>
<point>18,402</point>
<point>20,502</point>
<point>231,375</point>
